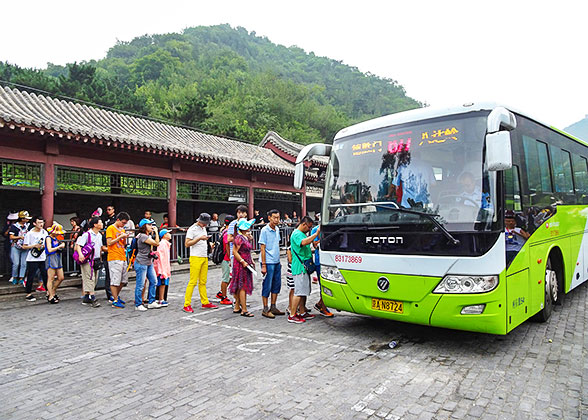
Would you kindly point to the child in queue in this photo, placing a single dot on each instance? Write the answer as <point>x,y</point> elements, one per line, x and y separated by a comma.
<point>53,263</point>
<point>162,265</point>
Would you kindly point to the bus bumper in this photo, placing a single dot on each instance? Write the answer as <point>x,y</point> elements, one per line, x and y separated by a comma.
<point>439,310</point>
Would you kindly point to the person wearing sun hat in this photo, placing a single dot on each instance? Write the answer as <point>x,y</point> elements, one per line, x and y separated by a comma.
<point>197,239</point>
<point>53,249</point>
<point>18,254</point>
<point>11,218</point>
<point>242,282</point>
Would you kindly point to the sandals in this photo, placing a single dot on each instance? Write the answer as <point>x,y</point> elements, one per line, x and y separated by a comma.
<point>247,314</point>
<point>238,311</point>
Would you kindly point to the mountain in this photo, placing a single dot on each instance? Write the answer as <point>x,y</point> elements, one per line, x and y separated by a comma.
<point>226,81</point>
<point>579,129</point>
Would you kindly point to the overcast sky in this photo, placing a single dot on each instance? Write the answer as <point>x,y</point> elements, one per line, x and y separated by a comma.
<point>530,55</point>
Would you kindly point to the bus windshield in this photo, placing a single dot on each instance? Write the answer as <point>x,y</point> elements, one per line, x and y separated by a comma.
<point>434,167</point>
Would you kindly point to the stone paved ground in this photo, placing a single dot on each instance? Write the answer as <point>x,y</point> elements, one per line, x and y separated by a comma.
<point>70,361</point>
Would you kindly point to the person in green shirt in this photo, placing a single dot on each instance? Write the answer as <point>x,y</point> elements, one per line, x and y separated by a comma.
<point>300,247</point>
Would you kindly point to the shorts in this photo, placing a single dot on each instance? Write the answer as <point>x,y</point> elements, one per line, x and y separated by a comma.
<point>301,284</point>
<point>162,281</point>
<point>118,272</point>
<point>226,271</point>
<point>272,282</point>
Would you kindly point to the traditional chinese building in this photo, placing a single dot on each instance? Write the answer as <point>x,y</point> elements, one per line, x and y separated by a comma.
<point>62,158</point>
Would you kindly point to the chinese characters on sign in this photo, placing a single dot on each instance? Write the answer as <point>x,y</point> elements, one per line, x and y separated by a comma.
<point>401,142</point>
<point>362,148</point>
<point>439,136</point>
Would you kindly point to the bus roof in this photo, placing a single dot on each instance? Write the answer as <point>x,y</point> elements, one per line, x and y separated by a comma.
<point>430,112</point>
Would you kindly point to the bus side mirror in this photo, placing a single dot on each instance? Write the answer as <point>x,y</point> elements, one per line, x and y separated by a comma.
<point>315,149</point>
<point>498,151</point>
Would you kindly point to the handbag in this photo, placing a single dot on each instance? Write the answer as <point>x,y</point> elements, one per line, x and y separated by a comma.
<point>309,265</point>
<point>87,249</point>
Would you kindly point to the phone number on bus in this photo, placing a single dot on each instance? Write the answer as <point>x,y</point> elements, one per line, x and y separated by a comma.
<point>352,259</point>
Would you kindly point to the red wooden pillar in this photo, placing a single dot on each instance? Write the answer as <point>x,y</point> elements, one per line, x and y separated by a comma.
<point>172,204</point>
<point>48,193</point>
<point>250,199</point>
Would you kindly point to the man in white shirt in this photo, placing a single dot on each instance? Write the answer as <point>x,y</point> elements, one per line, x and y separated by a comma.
<point>34,242</point>
<point>197,240</point>
<point>90,265</point>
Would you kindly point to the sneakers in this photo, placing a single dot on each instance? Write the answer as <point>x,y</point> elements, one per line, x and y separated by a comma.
<point>276,311</point>
<point>323,311</point>
<point>306,316</point>
<point>13,280</point>
<point>209,306</point>
<point>118,304</point>
<point>95,303</point>
<point>30,298</point>
<point>220,296</point>
<point>226,301</point>
<point>41,289</point>
<point>268,314</point>
<point>188,309</point>
<point>154,305</point>
<point>122,301</point>
<point>140,308</point>
<point>296,319</point>
<point>164,303</point>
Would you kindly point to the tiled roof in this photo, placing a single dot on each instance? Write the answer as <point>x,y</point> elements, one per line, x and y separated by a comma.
<point>290,148</point>
<point>75,121</point>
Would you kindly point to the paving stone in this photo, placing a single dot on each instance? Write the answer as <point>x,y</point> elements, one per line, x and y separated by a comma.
<point>168,364</point>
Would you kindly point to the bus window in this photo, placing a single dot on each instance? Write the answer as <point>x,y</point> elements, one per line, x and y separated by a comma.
<point>562,172</point>
<point>513,189</point>
<point>580,178</point>
<point>538,171</point>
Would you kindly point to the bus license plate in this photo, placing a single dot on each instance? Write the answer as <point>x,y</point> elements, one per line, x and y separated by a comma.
<point>387,305</point>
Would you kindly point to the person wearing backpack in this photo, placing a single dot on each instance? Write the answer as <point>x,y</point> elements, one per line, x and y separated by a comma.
<point>88,250</point>
<point>147,238</point>
<point>223,245</point>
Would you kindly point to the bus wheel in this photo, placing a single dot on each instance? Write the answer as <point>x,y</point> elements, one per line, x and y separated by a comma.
<point>551,292</point>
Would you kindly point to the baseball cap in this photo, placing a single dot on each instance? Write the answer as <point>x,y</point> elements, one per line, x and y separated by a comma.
<point>144,222</point>
<point>162,232</point>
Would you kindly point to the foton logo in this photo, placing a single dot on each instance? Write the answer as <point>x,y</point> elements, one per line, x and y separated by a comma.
<point>384,240</point>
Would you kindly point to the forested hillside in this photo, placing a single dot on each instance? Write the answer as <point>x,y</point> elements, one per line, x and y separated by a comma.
<point>225,81</point>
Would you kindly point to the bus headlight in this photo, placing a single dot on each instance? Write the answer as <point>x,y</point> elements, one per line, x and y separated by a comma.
<point>329,272</point>
<point>466,284</point>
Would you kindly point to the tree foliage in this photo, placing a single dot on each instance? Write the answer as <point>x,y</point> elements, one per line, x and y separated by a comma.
<point>226,81</point>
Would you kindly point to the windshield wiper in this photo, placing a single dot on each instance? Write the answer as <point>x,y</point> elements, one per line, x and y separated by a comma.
<point>393,206</point>
<point>430,216</point>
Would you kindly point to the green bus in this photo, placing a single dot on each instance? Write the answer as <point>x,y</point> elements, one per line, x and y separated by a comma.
<point>413,222</point>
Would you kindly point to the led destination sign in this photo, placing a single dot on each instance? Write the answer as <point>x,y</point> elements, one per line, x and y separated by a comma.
<point>402,142</point>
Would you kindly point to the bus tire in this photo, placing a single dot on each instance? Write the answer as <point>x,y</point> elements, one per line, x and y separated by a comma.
<point>551,291</point>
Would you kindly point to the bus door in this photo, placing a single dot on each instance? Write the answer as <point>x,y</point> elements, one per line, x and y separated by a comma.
<point>518,278</point>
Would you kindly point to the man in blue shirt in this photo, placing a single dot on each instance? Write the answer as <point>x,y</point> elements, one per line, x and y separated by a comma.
<point>269,242</point>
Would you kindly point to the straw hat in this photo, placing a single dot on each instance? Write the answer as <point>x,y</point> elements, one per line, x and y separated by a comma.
<point>56,228</point>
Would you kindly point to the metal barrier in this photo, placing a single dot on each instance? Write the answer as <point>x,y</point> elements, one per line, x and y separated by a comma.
<point>179,252</point>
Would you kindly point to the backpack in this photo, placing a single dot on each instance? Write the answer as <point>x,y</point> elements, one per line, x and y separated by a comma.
<point>218,253</point>
<point>87,250</point>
